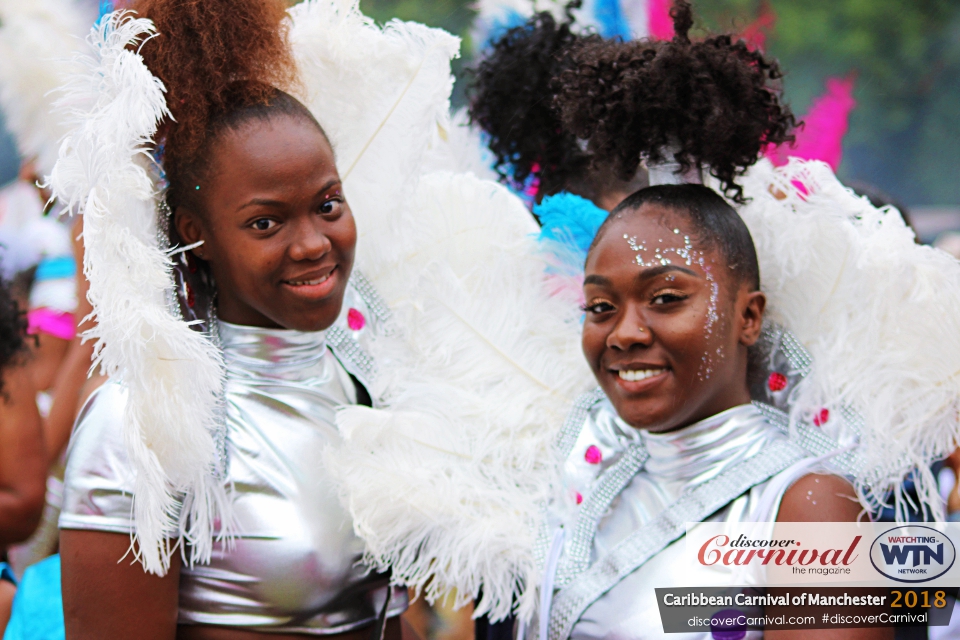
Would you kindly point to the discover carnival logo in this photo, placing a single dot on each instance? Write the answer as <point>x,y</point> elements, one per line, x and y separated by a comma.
<point>912,553</point>
<point>743,551</point>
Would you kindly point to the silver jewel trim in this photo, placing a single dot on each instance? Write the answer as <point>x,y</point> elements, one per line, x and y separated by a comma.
<point>594,507</point>
<point>351,354</point>
<point>370,296</point>
<point>567,437</point>
<point>693,506</point>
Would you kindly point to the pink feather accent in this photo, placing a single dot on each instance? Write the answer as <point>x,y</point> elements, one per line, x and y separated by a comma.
<point>821,137</point>
<point>659,22</point>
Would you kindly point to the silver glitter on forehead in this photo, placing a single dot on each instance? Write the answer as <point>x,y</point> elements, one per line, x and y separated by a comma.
<point>689,256</point>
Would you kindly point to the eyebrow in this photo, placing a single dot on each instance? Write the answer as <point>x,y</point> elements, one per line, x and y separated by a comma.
<point>267,202</point>
<point>645,274</point>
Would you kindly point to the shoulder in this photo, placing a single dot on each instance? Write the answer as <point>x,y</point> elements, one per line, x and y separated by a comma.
<point>820,498</point>
<point>100,419</point>
<point>99,478</point>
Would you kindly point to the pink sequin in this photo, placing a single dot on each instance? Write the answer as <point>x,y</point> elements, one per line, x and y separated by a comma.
<point>821,418</point>
<point>593,455</point>
<point>355,320</point>
<point>579,498</point>
<point>777,381</point>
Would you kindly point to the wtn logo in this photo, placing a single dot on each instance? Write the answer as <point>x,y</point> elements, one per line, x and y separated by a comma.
<point>922,553</point>
<point>912,553</point>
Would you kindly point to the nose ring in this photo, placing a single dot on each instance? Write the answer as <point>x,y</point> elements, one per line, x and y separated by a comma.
<point>641,329</point>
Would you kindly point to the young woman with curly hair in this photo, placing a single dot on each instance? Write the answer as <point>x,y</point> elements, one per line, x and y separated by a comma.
<point>253,192</point>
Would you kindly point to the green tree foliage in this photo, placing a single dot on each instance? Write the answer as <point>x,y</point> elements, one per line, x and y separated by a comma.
<point>905,133</point>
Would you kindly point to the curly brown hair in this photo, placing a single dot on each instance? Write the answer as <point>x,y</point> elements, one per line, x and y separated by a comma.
<point>13,331</point>
<point>213,57</point>
<point>713,103</point>
<point>511,98</point>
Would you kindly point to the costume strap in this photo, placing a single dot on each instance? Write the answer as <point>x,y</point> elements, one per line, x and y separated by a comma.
<point>694,505</point>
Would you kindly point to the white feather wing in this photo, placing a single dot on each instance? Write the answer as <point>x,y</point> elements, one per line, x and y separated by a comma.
<point>446,486</point>
<point>173,374</point>
<point>381,95</point>
<point>876,311</point>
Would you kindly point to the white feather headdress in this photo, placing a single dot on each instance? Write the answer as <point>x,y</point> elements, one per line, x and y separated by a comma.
<point>38,42</point>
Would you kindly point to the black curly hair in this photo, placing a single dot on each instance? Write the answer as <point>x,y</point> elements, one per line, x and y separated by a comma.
<point>713,103</point>
<point>13,331</point>
<point>511,94</point>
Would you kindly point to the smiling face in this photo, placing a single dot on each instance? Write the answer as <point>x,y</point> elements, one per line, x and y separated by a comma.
<point>667,322</point>
<point>277,232</point>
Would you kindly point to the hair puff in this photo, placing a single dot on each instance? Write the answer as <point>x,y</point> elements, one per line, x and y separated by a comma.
<point>713,104</point>
<point>213,55</point>
<point>511,98</point>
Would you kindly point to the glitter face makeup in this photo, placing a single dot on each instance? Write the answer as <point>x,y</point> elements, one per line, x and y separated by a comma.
<point>649,271</point>
<point>686,254</point>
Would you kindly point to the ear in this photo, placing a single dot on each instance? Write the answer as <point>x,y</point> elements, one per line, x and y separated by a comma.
<point>751,305</point>
<point>190,228</point>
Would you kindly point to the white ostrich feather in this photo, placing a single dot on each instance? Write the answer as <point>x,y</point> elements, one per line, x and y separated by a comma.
<point>173,374</point>
<point>876,311</point>
<point>445,486</point>
<point>461,149</point>
<point>382,96</point>
<point>38,42</point>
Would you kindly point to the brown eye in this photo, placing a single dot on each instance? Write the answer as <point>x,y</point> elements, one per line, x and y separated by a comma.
<point>263,224</point>
<point>598,307</point>
<point>330,207</point>
<point>667,298</point>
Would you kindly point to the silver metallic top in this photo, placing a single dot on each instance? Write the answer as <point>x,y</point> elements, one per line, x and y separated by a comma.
<point>677,462</point>
<point>295,567</point>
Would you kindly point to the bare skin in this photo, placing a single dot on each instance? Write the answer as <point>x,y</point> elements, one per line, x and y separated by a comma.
<point>72,384</point>
<point>279,237</point>
<point>644,315</point>
<point>23,461</point>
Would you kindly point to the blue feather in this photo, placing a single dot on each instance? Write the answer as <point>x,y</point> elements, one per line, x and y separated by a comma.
<point>571,221</point>
<point>610,18</point>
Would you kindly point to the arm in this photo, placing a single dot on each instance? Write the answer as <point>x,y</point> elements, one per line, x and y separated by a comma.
<point>104,598</point>
<point>71,386</point>
<point>23,462</point>
<point>823,498</point>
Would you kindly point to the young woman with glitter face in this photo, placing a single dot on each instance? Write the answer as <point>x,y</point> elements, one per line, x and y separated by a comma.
<point>672,306</point>
<point>255,191</point>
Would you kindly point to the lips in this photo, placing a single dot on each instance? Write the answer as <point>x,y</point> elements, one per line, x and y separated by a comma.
<point>638,374</point>
<point>313,285</point>
<point>638,377</point>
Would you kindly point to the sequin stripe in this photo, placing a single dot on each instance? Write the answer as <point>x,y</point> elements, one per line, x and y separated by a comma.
<point>371,297</point>
<point>816,441</point>
<point>573,425</point>
<point>567,437</point>
<point>693,506</point>
<point>596,504</point>
<point>797,354</point>
<point>351,354</point>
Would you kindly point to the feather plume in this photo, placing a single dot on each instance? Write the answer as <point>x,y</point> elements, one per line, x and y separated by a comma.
<point>875,311</point>
<point>173,374</point>
<point>38,42</point>
<point>461,149</point>
<point>444,490</point>
<point>824,126</point>
<point>382,96</point>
